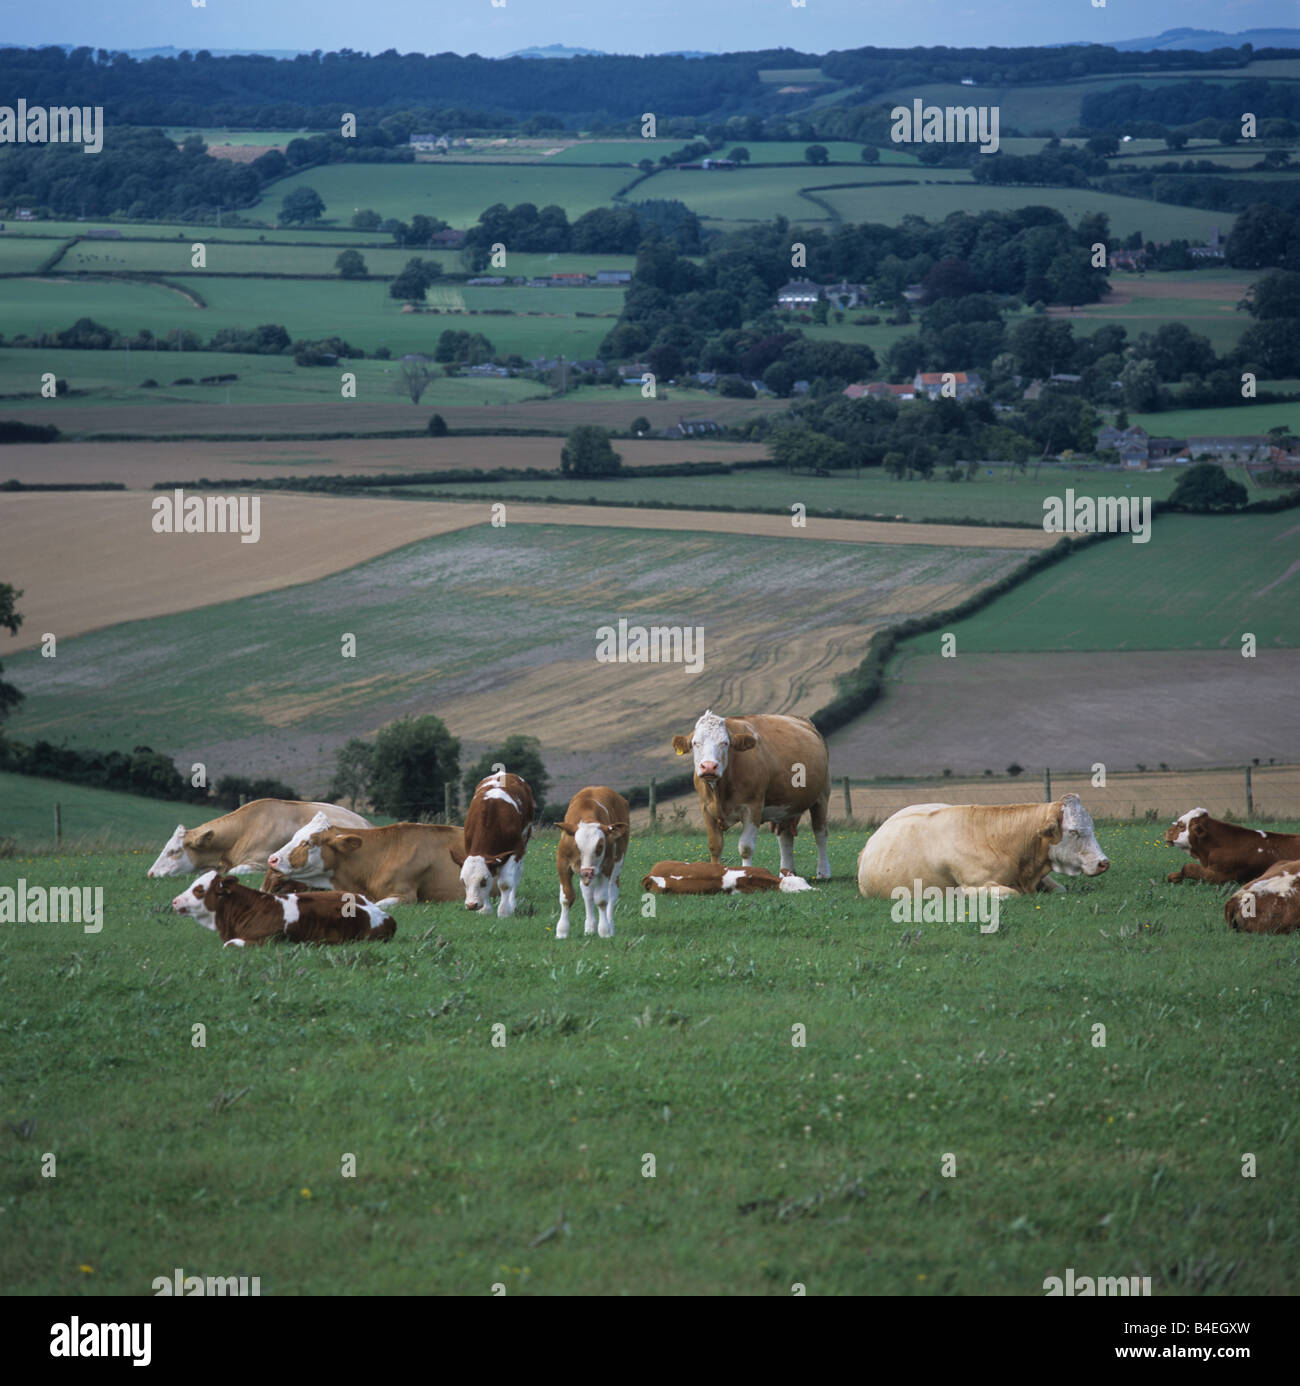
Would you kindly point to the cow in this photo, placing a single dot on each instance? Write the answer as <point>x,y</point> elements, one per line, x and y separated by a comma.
<point>408,861</point>
<point>767,768</point>
<point>593,840</point>
<point>241,916</point>
<point>712,878</point>
<point>498,823</point>
<point>1223,852</point>
<point>1270,904</point>
<point>1007,849</point>
<point>240,841</point>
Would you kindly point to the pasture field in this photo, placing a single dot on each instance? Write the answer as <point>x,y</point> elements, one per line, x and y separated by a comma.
<point>289,699</point>
<point>215,135</point>
<point>22,256</point>
<point>190,231</point>
<point>456,192</point>
<point>1160,221</point>
<point>1231,422</point>
<point>1006,496</point>
<point>168,257</point>
<point>93,819</point>
<point>774,1164</point>
<point>758,194</point>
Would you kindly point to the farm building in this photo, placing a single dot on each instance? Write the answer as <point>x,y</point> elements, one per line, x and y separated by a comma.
<point>449,239</point>
<point>846,295</point>
<point>613,276</point>
<point>1213,249</point>
<point>691,428</point>
<point>798,294</point>
<point>1254,447</point>
<point>877,389</point>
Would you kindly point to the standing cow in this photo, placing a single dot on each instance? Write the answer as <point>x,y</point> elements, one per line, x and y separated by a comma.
<point>241,841</point>
<point>1007,849</point>
<point>767,768</point>
<point>593,838</point>
<point>498,824</point>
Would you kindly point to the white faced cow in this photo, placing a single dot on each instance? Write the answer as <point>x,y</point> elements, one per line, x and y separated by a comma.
<point>498,823</point>
<point>241,841</point>
<point>593,839</point>
<point>767,768</point>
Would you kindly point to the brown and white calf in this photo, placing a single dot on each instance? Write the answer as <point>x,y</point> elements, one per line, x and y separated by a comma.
<point>1223,852</point>
<point>767,768</point>
<point>712,878</point>
<point>498,824</point>
<point>1268,905</point>
<point>240,841</point>
<point>409,861</point>
<point>593,840</point>
<point>241,916</point>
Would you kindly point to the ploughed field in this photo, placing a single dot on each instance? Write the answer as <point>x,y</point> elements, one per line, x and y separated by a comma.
<point>774,1165</point>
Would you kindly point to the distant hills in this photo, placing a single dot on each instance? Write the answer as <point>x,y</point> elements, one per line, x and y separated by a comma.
<point>1203,40</point>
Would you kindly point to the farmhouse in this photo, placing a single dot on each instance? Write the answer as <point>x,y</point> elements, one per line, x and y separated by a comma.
<point>691,428</point>
<point>879,390</point>
<point>613,276</point>
<point>565,281</point>
<point>449,239</point>
<point>798,294</point>
<point>1254,447</point>
<point>961,384</point>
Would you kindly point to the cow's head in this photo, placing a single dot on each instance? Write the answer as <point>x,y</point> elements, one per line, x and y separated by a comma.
<point>596,845</point>
<point>1072,846</point>
<point>301,856</point>
<point>178,856</point>
<point>1182,832</point>
<point>711,745</point>
<point>479,875</point>
<point>200,900</point>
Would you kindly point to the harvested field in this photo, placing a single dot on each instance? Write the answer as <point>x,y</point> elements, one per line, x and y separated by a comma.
<point>140,465</point>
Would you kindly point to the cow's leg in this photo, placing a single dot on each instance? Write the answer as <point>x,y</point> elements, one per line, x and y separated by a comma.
<point>591,903</point>
<point>1194,871</point>
<point>566,899</point>
<point>996,888</point>
<point>748,837</point>
<point>1048,885</point>
<point>509,879</point>
<point>611,899</point>
<point>785,841</point>
<point>818,815</point>
<point>714,830</point>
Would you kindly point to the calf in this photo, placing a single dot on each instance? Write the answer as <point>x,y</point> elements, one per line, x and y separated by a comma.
<point>1009,849</point>
<point>498,823</point>
<point>1268,905</point>
<point>712,878</point>
<point>593,838</point>
<point>409,861</point>
<point>240,915</point>
<point>1223,852</point>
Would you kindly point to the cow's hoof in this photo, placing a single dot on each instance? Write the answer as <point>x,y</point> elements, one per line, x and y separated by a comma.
<point>607,933</point>
<point>820,877</point>
<point>1174,877</point>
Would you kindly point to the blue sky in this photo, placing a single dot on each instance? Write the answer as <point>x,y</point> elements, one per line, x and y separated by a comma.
<point>623,26</point>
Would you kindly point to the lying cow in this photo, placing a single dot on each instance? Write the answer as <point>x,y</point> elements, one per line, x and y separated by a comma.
<point>712,878</point>
<point>240,841</point>
<point>1268,905</point>
<point>1223,852</point>
<point>593,840</point>
<point>767,768</point>
<point>1008,849</point>
<point>241,916</point>
<point>408,861</point>
<point>498,823</point>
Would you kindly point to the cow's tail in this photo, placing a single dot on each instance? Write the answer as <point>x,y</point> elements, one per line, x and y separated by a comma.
<point>389,901</point>
<point>791,883</point>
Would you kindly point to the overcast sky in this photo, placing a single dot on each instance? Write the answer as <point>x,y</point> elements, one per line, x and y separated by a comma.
<point>621,26</point>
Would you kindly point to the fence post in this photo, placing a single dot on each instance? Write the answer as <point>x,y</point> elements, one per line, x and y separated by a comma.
<point>58,821</point>
<point>1047,785</point>
<point>654,811</point>
<point>243,799</point>
<point>1250,796</point>
<point>848,799</point>
<point>446,802</point>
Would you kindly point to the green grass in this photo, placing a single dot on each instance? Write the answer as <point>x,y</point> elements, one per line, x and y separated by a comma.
<point>456,192</point>
<point>92,818</point>
<point>998,499</point>
<point>21,256</point>
<point>213,135</point>
<point>1200,582</point>
<point>163,257</point>
<point>758,194</point>
<point>523,1165</point>
<point>1255,418</point>
<point>190,231</point>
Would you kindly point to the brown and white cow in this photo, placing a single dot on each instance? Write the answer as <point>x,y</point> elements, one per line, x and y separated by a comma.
<point>408,861</point>
<point>712,878</point>
<point>498,823</point>
<point>1268,905</point>
<point>240,841</point>
<point>767,768</point>
<point>593,841</point>
<point>241,916</point>
<point>1223,852</point>
<point>1008,849</point>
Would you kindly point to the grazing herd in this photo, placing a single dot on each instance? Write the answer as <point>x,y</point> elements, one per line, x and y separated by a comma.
<point>329,877</point>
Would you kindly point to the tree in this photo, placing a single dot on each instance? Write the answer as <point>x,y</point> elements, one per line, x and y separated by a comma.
<point>10,696</point>
<point>587,452</point>
<point>1205,486</point>
<point>640,425</point>
<point>437,426</point>
<point>817,154</point>
<point>521,755</point>
<point>416,377</point>
<point>870,154</point>
<point>1175,139</point>
<point>414,758</point>
<point>415,278</point>
<point>739,155</point>
<point>353,766</point>
<point>350,265</point>
<point>732,388</point>
<point>300,206</point>
<point>779,377</point>
<point>1103,146</point>
<point>1260,237</point>
<point>1015,768</point>
<point>1141,382</point>
<point>366,220</point>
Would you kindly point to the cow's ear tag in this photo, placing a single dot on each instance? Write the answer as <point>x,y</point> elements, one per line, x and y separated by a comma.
<point>681,753</point>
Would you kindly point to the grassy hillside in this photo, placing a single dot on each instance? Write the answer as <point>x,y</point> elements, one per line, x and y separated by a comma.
<point>92,818</point>
<point>774,1164</point>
